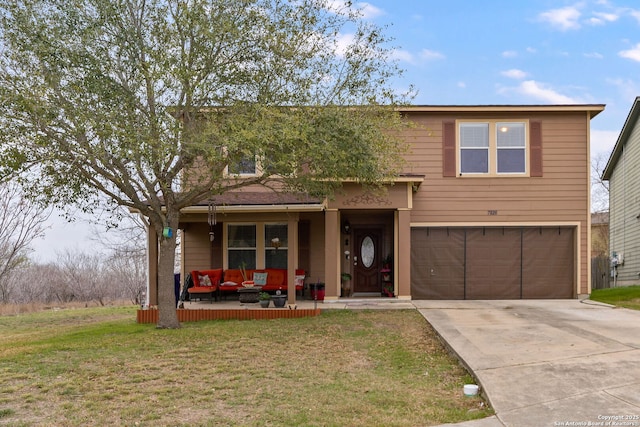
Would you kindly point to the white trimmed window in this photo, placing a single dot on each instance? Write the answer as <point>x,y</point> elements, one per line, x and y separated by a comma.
<point>241,245</point>
<point>276,244</point>
<point>492,148</point>
<point>246,166</point>
<point>257,245</point>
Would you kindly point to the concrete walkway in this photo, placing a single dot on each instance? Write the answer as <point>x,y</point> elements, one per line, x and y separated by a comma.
<point>546,362</point>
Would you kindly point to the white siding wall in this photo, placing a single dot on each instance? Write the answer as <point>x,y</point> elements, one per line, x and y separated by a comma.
<point>624,207</point>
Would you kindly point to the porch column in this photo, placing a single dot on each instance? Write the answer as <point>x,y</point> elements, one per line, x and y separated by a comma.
<point>152,265</point>
<point>292,257</point>
<point>402,255</point>
<point>331,250</point>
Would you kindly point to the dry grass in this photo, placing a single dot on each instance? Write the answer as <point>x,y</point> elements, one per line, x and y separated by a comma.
<point>34,307</point>
<point>97,367</point>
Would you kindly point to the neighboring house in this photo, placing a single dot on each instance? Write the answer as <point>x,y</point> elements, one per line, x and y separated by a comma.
<point>493,204</point>
<point>599,234</point>
<point>623,173</point>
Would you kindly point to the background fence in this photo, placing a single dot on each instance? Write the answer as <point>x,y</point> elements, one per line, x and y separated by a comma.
<point>600,272</point>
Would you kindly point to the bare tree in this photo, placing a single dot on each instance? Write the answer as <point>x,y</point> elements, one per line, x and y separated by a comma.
<point>84,274</point>
<point>128,275</point>
<point>20,223</point>
<point>127,236</point>
<point>599,187</point>
<point>42,283</point>
<point>126,263</point>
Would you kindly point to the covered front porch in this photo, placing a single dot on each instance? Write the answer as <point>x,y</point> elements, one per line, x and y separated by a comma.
<point>356,245</point>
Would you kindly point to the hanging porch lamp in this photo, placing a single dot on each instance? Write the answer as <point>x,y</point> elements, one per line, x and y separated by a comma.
<point>211,219</point>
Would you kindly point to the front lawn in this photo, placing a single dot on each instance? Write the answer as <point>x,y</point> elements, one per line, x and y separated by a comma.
<point>98,367</point>
<point>627,296</point>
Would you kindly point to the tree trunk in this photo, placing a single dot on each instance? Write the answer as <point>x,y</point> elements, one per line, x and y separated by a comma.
<point>167,316</point>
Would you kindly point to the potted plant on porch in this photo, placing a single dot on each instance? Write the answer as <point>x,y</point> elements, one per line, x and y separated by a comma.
<point>265,299</point>
<point>345,278</point>
<point>279,299</point>
<point>387,279</point>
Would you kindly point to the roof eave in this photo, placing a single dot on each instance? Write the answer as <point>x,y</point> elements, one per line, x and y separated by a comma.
<point>593,109</point>
<point>632,118</point>
<point>222,209</point>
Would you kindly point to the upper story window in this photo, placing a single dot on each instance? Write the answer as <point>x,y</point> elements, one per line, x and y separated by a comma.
<point>246,166</point>
<point>492,148</point>
<point>511,144</point>
<point>474,148</point>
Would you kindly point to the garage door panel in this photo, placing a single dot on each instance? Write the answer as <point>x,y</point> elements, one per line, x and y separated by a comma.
<point>548,270</point>
<point>493,263</point>
<point>437,263</point>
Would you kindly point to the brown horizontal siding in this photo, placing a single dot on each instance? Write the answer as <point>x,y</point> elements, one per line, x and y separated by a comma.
<point>196,247</point>
<point>565,179</point>
<point>561,194</point>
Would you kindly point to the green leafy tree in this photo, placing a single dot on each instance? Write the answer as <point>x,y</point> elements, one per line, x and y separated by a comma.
<point>148,102</point>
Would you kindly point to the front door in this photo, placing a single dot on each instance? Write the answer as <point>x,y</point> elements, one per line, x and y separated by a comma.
<point>367,260</point>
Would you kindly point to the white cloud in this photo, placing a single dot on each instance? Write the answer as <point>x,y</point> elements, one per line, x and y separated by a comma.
<point>566,18</point>
<point>636,14</point>
<point>532,50</point>
<point>509,54</point>
<point>431,54</point>
<point>633,54</point>
<point>514,74</point>
<point>601,18</point>
<point>462,85</point>
<point>544,93</point>
<point>336,5</point>
<point>343,41</point>
<point>402,55</point>
<point>602,141</point>
<point>368,10</point>
<point>629,89</point>
<point>594,55</point>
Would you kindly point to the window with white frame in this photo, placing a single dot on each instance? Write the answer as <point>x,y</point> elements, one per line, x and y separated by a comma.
<point>492,148</point>
<point>474,148</point>
<point>511,147</point>
<point>247,165</point>
<point>276,244</point>
<point>241,246</point>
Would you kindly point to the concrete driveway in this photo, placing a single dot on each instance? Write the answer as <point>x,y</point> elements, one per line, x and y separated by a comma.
<point>547,362</point>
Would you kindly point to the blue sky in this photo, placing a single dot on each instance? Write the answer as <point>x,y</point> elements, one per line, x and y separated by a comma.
<point>519,52</point>
<point>494,52</point>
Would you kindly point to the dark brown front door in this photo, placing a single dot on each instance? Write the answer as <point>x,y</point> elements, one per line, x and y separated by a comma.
<point>366,263</point>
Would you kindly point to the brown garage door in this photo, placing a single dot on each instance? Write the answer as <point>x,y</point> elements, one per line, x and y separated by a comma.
<point>492,263</point>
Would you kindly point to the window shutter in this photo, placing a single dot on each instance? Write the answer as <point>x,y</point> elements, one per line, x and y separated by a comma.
<point>449,149</point>
<point>535,148</point>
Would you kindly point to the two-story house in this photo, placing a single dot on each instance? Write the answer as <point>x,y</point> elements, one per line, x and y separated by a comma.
<point>623,173</point>
<point>493,204</point>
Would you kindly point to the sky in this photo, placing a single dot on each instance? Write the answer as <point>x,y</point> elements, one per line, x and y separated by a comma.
<point>470,52</point>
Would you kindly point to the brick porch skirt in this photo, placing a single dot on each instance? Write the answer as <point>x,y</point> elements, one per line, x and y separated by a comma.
<point>185,315</point>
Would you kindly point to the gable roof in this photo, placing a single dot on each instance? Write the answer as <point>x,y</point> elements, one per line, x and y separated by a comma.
<point>632,119</point>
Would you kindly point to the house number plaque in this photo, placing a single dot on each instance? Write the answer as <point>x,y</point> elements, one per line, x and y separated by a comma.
<point>492,213</point>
